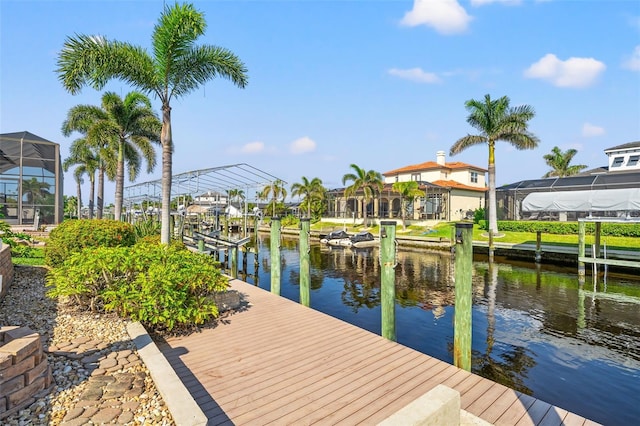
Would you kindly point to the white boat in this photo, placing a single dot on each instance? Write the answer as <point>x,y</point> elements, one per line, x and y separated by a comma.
<point>360,240</point>
<point>332,237</point>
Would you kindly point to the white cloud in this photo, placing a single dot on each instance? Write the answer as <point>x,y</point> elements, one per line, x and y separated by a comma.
<point>415,74</point>
<point>302,145</point>
<point>574,72</point>
<point>483,2</point>
<point>252,148</point>
<point>591,130</point>
<point>445,16</point>
<point>632,62</point>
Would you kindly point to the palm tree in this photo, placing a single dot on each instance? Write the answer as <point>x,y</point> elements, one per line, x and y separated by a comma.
<point>312,190</point>
<point>366,181</point>
<point>559,163</point>
<point>276,190</point>
<point>496,121</point>
<point>408,193</point>
<point>176,67</point>
<point>82,156</point>
<point>126,131</point>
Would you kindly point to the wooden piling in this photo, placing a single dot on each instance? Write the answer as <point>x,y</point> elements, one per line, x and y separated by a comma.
<point>305,266</point>
<point>234,261</point>
<point>201,245</point>
<point>462,319</point>
<point>538,246</point>
<point>388,278</point>
<point>581,232</point>
<point>275,255</point>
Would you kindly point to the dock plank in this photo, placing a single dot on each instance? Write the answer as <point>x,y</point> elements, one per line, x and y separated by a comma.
<point>277,362</point>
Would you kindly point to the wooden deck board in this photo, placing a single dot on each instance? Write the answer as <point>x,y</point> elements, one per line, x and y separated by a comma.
<point>281,363</point>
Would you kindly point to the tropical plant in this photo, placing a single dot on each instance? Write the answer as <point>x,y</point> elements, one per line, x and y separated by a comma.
<point>409,191</point>
<point>496,121</point>
<point>276,191</point>
<point>84,158</point>
<point>35,190</point>
<point>369,182</point>
<point>176,67</point>
<point>311,190</point>
<point>70,205</point>
<point>559,163</point>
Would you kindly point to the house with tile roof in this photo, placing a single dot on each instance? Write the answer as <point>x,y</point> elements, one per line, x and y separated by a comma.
<point>452,191</point>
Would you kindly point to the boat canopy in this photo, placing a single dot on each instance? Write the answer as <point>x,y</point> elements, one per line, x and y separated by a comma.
<point>625,199</point>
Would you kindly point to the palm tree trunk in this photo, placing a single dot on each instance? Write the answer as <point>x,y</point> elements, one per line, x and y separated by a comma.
<point>167,151</point>
<point>364,212</point>
<point>79,190</point>
<point>493,216</point>
<point>119,182</point>
<point>404,210</point>
<point>92,194</point>
<point>100,192</point>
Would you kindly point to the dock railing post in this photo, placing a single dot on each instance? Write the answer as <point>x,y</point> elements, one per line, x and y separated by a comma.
<point>275,255</point>
<point>234,261</point>
<point>388,278</point>
<point>305,267</point>
<point>201,245</point>
<point>462,319</point>
<point>581,231</point>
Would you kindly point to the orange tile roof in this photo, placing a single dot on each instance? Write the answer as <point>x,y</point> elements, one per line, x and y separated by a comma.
<point>433,165</point>
<point>457,185</point>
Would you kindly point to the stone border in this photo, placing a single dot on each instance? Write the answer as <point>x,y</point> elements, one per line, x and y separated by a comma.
<point>24,370</point>
<point>6,268</point>
<point>183,408</point>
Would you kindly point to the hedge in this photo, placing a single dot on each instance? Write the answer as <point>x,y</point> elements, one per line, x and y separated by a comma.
<point>567,228</point>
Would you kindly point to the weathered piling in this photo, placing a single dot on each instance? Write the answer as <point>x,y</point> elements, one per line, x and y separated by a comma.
<point>538,246</point>
<point>388,246</point>
<point>305,266</point>
<point>275,255</point>
<point>462,320</point>
<point>234,261</point>
<point>581,232</point>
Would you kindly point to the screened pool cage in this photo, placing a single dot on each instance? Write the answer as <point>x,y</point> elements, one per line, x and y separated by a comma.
<point>225,190</point>
<point>614,195</point>
<point>31,180</point>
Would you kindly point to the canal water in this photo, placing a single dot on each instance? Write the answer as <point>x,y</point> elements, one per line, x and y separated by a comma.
<point>535,329</point>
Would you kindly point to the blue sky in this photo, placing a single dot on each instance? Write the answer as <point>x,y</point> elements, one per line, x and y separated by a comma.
<point>381,84</point>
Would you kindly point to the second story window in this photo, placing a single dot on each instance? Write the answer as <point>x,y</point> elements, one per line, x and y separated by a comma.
<point>474,177</point>
<point>416,177</point>
<point>617,162</point>
<point>633,160</point>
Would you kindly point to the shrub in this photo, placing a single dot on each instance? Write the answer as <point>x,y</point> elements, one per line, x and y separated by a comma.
<point>158,285</point>
<point>608,229</point>
<point>478,215</point>
<point>71,236</point>
<point>146,228</point>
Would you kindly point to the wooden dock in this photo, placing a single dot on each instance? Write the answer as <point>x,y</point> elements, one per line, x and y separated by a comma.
<point>278,362</point>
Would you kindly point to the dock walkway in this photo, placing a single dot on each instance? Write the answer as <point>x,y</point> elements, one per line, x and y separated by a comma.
<point>278,362</point>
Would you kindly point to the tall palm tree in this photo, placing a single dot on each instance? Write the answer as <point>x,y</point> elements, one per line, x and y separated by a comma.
<point>496,121</point>
<point>277,191</point>
<point>86,161</point>
<point>369,182</point>
<point>559,163</point>
<point>175,67</point>
<point>312,190</point>
<point>125,131</point>
<point>409,191</point>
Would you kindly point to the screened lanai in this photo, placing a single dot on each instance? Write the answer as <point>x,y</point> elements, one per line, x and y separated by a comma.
<point>604,195</point>
<point>192,184</point>
<point>30,180</point>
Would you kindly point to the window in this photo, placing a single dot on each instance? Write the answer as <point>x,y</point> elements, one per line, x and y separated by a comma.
<point>617,162</point>
<point>416,177</point>
<point>474,177</point>
<point>633,160</point>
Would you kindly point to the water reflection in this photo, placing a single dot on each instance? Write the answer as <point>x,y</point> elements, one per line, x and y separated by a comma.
<point>535,328</point>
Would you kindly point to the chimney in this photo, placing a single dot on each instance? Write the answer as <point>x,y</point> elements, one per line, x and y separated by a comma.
<point>440,157</point>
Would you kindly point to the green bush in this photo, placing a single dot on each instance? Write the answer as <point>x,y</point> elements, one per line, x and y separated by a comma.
<point>570,228</point>
<point>158,285</point>
<point>71,236</point>
<point>146,228</point>
<point>478,215</point>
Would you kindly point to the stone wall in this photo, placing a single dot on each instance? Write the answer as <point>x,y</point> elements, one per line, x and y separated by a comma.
<point>24,370</point>
<point>6,269</point>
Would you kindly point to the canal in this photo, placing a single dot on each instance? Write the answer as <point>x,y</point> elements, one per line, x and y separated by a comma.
<point>535,329</point>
